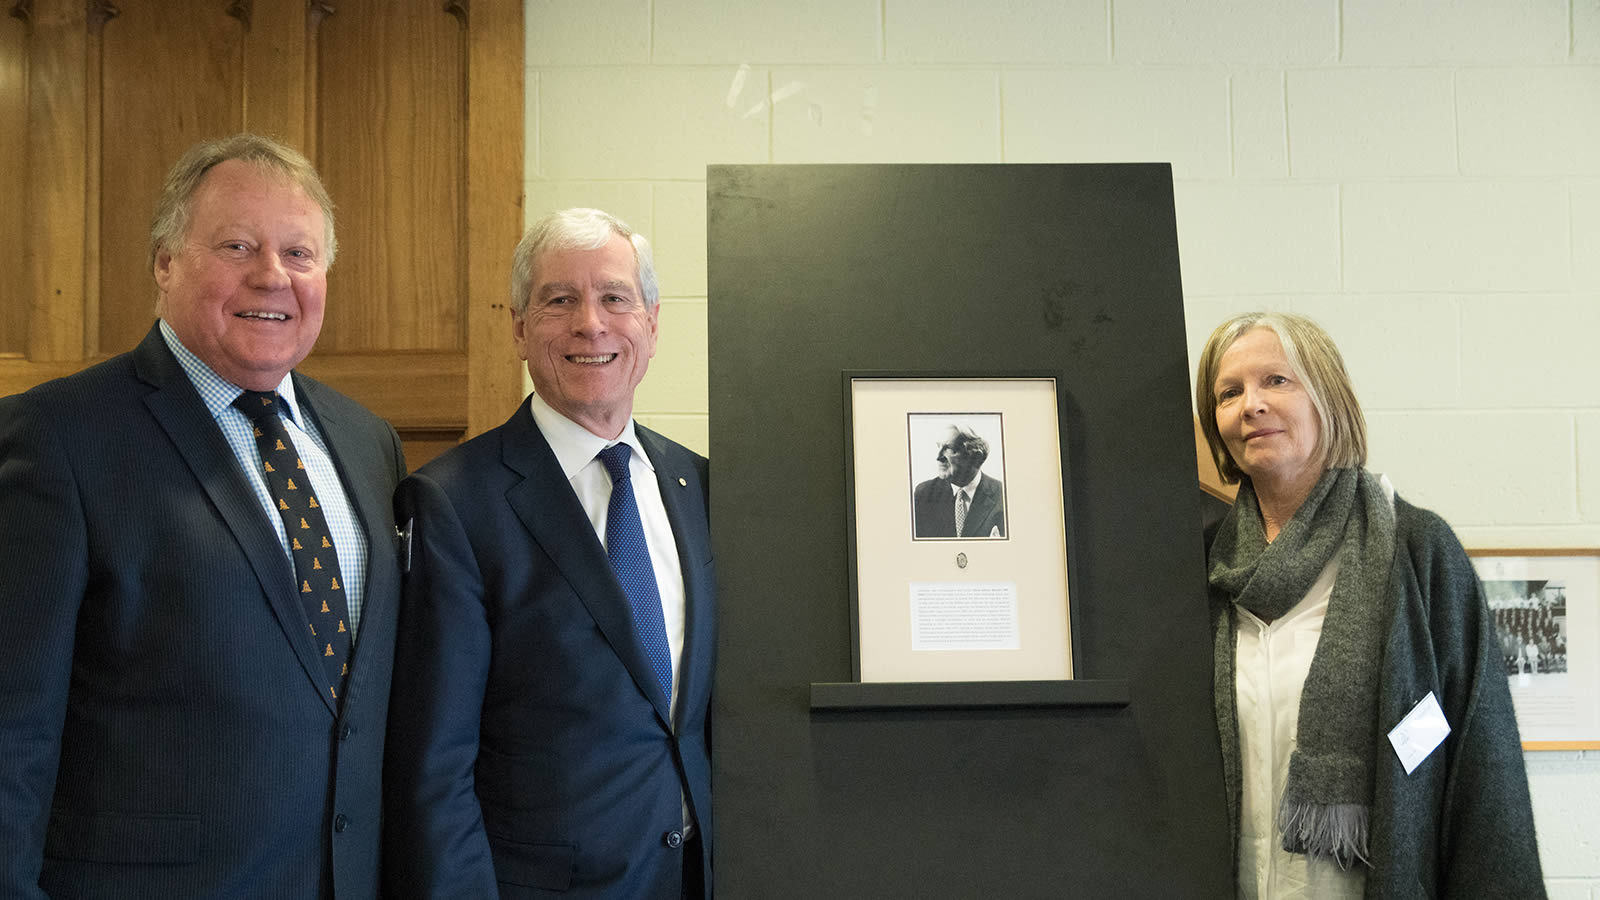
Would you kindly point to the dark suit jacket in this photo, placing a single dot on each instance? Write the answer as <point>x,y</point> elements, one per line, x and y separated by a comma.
<point>164,720</point>
<point>531,750</point>
<point>933,509</point>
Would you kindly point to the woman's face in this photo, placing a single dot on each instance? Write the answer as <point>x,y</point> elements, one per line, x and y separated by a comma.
<point>1264,413</point>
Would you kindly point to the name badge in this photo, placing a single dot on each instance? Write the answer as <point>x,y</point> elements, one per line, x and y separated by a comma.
<point>1423,729</point>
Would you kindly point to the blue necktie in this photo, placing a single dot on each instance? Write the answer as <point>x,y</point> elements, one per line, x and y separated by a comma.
<point>630,559</point>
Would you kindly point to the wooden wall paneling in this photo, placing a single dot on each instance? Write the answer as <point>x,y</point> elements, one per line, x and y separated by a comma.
<point>172,74</point>
<point>494,205</point>
<point>391,111</point>
<point>276,38</point>
<point>54,192</point>
<point>13,176</point>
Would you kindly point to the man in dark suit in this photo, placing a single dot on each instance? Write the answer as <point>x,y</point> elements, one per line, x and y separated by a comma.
<point>170,721</point>
<point>962,502</point>
<point>548,728</point>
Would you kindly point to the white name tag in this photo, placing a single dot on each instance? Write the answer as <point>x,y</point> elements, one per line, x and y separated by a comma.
<point>1423,729</point>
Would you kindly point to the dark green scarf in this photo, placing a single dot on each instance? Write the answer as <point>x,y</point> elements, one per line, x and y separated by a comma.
<point>1328,793</point>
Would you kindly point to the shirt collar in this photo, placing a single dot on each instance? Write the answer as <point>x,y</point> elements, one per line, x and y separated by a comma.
<point>217,392</point>
<point>970,490</point>
<point>574,445</point>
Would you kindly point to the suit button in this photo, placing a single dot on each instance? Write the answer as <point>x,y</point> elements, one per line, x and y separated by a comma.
<point>341,822</point>
<point>673,839</point>
<point>344,733</point>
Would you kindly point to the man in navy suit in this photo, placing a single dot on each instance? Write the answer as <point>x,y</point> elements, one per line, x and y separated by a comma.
<point>548,731</point>
<point>166,720</point>
<point>962,492</point>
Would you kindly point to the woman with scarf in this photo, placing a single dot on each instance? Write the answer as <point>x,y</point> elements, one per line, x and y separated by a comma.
<point>1350,634</point>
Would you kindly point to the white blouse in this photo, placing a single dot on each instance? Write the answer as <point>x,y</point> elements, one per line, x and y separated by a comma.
<point>1270,667</point>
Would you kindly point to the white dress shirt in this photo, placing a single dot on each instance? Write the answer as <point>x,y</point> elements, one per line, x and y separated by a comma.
<point>349,539</point>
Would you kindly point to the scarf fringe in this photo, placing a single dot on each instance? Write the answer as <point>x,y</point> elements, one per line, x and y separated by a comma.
<point>1337,831</point>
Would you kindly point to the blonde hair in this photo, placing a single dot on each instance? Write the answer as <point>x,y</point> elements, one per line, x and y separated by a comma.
<point>170,224</point>
<point>1342,431</point>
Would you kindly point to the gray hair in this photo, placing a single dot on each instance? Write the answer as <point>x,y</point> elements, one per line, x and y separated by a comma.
<point>578,228</point>
<point>965,440</point>
<point>170,225</point>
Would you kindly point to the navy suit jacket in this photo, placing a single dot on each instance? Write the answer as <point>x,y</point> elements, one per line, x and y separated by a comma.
<point>164,719</point>
<point>933,509</point>
<point>531,752</point>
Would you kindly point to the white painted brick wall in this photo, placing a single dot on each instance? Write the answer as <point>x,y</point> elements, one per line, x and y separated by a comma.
<point>1422,176</point>
<point>1371,122</point>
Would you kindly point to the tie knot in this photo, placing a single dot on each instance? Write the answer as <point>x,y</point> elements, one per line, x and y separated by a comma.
<point>615,459</point>
<point>257,405</point>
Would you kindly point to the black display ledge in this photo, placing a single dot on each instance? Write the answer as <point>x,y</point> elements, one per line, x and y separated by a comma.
<point>855,695</point>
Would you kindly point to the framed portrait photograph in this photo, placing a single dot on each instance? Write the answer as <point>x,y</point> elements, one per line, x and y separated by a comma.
<point>959,527</point>
<point>1546,608</point>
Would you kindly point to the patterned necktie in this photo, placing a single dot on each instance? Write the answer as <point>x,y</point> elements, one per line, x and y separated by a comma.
<point>316,565</point>
<point>961,511</point>
<point>630,559</point>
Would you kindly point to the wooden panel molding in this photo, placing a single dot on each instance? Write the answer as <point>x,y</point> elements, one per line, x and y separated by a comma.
<point>413,112</point>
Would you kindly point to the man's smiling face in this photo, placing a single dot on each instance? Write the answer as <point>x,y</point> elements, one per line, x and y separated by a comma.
<point>245,291</point>
<point>587,334</point>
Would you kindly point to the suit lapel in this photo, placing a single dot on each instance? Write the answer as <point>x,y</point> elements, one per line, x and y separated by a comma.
<point>547,506</point>
<point>984,501</point>
<point>682,495</point>
<point>180,412</point>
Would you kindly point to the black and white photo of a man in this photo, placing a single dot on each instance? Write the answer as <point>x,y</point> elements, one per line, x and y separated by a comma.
<point>961,502</point>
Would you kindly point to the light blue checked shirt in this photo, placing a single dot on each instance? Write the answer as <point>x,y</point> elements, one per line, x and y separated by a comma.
<point>349,543</point>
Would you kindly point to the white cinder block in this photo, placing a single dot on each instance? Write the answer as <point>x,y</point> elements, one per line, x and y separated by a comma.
<point>532,165</point>
<point>676,382</point>
<point>1243,31</point>
<point>1586,234</point>
<point>1472,237</point>
<point>1468,31</point>
<point>885,115</point>
<point>817,31</point>
<point>1588,451</point>
<point>648,122</point>
<point>1258,239</point>
<point>680,238</point>
<point>692,431</point>
<point>1381,122</point>
<point>1119,115</point>
<point>1543,121</point>
<point>1586,30</point>
<point>595,32</point>
<point>1402,352</point>
<point>1501,468</point>
<point>627,200</point>
<point>1564,801</point>
<point>1260,133</point>
<point>1567,890</point>
<point>1000,31</point>
<point>1523,350</point>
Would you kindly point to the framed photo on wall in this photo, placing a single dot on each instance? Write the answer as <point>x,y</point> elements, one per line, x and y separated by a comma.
<point>1546,607</point>
<point>960,539</point>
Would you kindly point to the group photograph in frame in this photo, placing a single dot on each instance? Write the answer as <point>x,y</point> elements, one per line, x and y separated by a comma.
<point>1546,609</point>
<point>959,528</point>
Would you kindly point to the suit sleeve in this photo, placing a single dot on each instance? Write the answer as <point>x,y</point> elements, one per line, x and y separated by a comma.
<point>42,583</point>
<point>434,841</point>
<point>1487,846</point>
